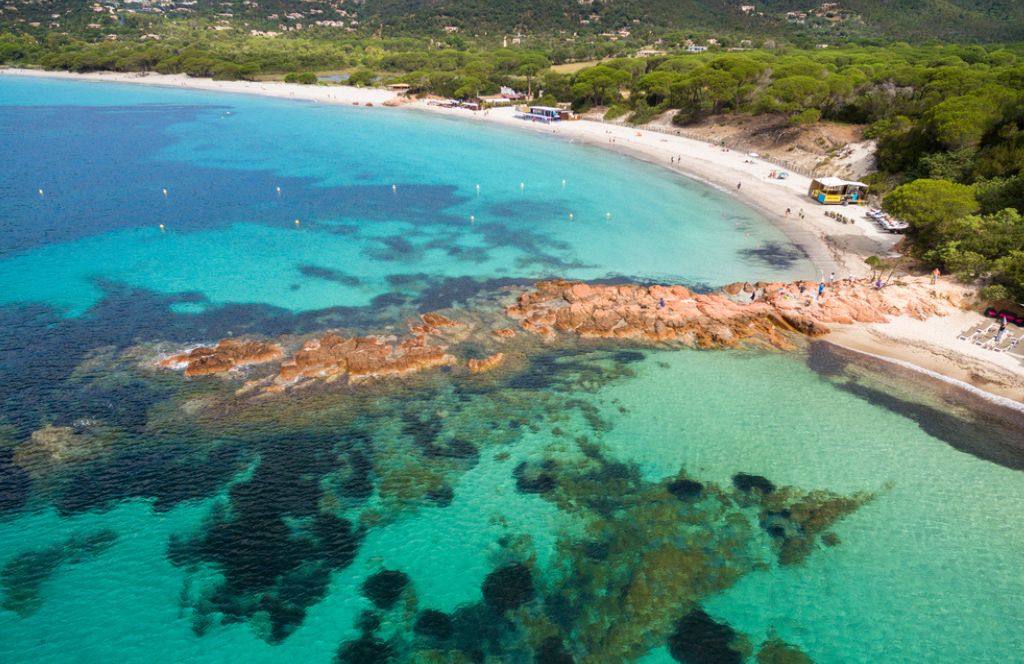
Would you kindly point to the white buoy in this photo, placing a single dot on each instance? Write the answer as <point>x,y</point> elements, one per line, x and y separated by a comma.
<point>279,191</point>
<point>40,192</point>
<point>563,184</point>
<point>607,215</point>
<point>522,185</point>
<point>165,193</point>
<point>161,228</point>
<point>478,189</point>
<point>571,216</point>
<point>296,222</point>
<point>472,219</point>
<point>394,188</point>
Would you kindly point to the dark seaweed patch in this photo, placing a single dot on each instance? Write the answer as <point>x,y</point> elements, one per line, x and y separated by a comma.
<point>385,587</point>
<point>442,497</point>
<point>628,356</point>
<point>535,479</point>
<point>508,587</point>
<point>993,434</point>
<point>478,629</point>
<point>699,639</point>
<point>271,542</point>
<point>685,489</point>
<point>365,650</point>
<point>23,576</point>
<point>171,473</point>
<point>749,483</point>
<point>552,651</point>
<point>775,255</point>
<point>328,274</point>
<point>368,622</point>
<point>434,624</point>
<point>15,484</point>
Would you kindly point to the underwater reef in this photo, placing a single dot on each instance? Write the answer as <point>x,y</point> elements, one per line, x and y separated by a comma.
<point>296,485</point>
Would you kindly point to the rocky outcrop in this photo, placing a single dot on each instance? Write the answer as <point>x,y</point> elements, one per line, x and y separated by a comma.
<point>226,355</point>
<point>328,357</point>
<point>362,357</point>
<point>728,317</point>
<point>486,364</point>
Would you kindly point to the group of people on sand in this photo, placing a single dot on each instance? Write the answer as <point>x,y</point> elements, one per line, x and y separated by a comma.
<point>808,299</point>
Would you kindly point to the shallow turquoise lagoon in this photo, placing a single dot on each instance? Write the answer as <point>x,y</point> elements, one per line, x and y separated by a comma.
<point>584,503</point>
<point>378,194</point>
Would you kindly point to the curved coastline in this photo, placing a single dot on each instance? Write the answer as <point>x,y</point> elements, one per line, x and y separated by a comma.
<point>832,248</point>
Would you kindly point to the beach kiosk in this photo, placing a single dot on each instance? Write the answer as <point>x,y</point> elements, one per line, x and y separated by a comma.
<point>546,112</point>
<point>836,191</point>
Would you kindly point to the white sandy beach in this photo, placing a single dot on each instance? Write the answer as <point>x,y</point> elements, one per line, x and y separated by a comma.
<point>831,246</point>
<point>321,94</point>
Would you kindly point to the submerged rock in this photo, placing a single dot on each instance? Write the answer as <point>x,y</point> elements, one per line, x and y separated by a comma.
<point>508,587</point>
<point>385,587</point>
<point>486,364</point>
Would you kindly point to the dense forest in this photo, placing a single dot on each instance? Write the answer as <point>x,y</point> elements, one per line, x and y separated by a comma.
<point>798,21</point>
<point>948,119</point>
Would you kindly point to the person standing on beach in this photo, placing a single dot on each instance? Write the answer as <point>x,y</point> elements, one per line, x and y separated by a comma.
<point>821,289</point>
<point>1001,332</point>
<point>935,276</point>
<point>738,185</point>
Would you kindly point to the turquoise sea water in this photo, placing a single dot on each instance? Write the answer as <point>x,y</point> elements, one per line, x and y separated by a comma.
<point>589,503</point>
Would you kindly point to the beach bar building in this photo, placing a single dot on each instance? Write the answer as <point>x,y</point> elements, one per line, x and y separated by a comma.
<point>836,191</point>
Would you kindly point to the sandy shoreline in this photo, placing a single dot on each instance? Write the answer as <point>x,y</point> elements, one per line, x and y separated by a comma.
<point>321,94</point>
<point>931,345</point>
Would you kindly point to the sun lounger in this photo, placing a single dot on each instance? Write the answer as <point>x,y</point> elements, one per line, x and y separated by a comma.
<point>969,334</point>
<point>1005,344</point>
<point>985,338</point>
<point>1017,349</point>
